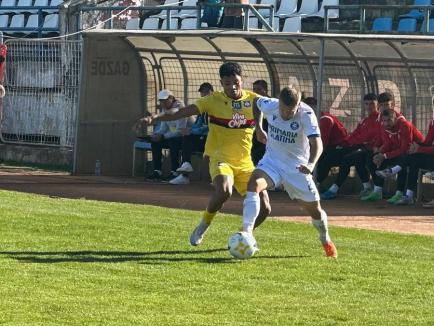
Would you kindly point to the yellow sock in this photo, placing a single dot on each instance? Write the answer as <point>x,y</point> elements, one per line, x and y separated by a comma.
<point>208,217</point>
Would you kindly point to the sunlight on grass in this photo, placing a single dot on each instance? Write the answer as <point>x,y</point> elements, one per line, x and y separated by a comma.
<point>84,262</point>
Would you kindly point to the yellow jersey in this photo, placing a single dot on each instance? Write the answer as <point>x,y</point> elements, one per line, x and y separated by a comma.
<point>231,126</point>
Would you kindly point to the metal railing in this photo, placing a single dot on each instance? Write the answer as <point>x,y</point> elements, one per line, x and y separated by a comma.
<point>198,9</point>
<point>362,15</point>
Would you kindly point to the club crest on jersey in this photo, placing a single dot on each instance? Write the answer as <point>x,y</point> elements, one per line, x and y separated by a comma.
<point>247,104</point>
<point>236,105</point>
<point>237,121</point>
<point>294,125</point>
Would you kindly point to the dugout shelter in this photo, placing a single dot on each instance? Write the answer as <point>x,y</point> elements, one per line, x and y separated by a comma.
<point>122,71</point>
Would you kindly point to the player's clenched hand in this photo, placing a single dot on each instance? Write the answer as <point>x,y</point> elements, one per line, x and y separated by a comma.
<point>378,159</point>
<point>147,120</point>
<point>261,136</point>
<point>306,168</point>
<point>413,148</point>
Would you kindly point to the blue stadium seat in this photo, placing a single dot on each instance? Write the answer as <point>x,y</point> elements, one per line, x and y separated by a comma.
<point>431,26</point>
<point>382,24</point>
<point>416,13</point>
<point>4,21</point>
<point>407,25</point>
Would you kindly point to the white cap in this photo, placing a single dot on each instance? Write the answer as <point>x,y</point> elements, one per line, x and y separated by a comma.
<point>164,94</point>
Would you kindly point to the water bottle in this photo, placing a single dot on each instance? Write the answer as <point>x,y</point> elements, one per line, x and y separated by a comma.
<point>98,168</point>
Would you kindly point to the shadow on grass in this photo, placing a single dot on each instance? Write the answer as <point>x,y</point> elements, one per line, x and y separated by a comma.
<point>151,257</point>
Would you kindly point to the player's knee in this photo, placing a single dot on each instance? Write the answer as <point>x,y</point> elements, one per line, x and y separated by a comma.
<point>224,194</point>
<point>254,185</point>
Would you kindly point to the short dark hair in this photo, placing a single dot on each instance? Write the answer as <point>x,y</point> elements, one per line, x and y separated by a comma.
<point>290,96</point>
<point>262,83</point>
<point>370,97</point>
<point>229,69</point>
<point>205,87</point>
<point>311,101</point>
<point>385,97</point>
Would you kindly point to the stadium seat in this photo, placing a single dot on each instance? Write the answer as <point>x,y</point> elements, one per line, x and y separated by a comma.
<point>407,25</point>
<point>51,21</point>
<point>332,13</point>
<point>23,3</point>
<point>151,23</point>
<point>32,22</point>
<point>266,12</point>
<point>173,23</point>
<point>307,8</point>
<point>56,3</point>
<point>163,13</point>
<point>133,23</point>
<point>141,146</point>
<point>431,26</point>
<point>382,24</point>
<point>7,3</point>
<point>17,21</point>
<point>189,23</point>
<point>39,3</point>
<point>4,21</point>
<point>253,23</point>
<point>292,25</point>
<point>286,9</point>
<point>417,13</point>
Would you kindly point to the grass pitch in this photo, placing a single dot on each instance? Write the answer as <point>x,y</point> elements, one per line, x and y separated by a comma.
<point>78,262</point>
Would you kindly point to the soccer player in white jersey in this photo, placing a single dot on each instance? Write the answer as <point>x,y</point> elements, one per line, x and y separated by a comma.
<point>293,148</point>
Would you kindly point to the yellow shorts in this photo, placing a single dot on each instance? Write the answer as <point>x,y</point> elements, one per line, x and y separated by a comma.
<point>240,173</point>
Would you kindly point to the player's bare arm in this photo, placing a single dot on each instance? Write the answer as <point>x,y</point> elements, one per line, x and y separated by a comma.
<point>316,148</point>
<point>169,116</point>
<point>261,135</point>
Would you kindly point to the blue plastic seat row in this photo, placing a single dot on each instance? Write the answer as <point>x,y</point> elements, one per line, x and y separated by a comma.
<point>405,25</point>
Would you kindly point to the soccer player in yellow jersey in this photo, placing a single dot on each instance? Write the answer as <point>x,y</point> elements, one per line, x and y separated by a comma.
<point>231,126</point>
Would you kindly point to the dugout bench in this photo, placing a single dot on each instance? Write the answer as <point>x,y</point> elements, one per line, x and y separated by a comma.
<point>143,147</point>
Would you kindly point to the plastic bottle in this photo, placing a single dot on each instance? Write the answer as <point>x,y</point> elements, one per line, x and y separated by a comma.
<point>98,168</point>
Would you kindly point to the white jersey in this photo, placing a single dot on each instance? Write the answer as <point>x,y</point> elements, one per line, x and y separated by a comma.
<point>288,140</point>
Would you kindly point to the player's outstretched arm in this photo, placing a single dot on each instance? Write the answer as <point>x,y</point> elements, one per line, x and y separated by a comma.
<point>261,135</point>
<point>169,116</point>
<point>316,148</point>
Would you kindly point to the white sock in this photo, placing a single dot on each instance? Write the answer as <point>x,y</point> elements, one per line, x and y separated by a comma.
<point>366,185</point>
<point>409,193</point>
<point>334,188</point>
<point>378,189</point>
<point>396,169</point>
<point>251,209</point>
<point>321,226</point>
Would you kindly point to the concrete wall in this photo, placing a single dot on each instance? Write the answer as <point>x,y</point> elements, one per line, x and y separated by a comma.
<point>111,100</point>
<point>51,156</point>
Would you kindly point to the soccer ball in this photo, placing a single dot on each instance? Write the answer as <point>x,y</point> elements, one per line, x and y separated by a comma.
<point>242,245</point>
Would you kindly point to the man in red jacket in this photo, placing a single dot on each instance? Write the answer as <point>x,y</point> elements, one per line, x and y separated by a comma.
<point>396,135</point>
<point>333,135</point>
<point>358,150</point>
<point>421,156</point>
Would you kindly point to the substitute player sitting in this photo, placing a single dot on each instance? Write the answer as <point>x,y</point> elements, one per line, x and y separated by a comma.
<point>293,147</point>
<point>228,144</point>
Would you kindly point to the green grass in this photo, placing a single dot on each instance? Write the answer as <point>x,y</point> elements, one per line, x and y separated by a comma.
<point>84,262</point>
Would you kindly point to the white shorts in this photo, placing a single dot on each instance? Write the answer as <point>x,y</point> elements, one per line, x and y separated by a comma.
<point>298,185</point>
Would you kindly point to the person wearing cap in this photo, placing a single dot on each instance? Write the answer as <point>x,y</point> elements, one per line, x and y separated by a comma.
<point>193,140</point>
<point>168,135</point>
<point>228,144</point>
